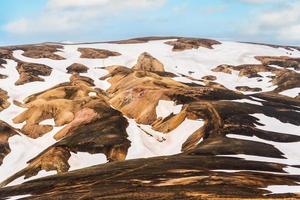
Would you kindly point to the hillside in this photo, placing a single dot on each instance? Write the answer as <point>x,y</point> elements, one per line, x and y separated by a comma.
<point>150,118</point>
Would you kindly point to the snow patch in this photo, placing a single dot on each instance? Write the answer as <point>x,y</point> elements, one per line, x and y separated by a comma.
<point>291,92</point>
<point>81,160</point>
<point>165,108</point>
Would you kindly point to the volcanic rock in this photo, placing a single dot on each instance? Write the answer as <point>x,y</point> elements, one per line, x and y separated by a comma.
<point>6,131</point>
<point>209,78</point>
<point>3,100</point>
<point>148,63</point>
<point>30,72</point>
<point>248,89</point>
<point>281,61</point>
<point>96,53</point>
<point>182,44</point>
<point>77,68</point>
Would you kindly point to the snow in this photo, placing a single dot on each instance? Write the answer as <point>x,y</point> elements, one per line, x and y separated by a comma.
<point>281,189</point>
<point>199,61</point>
<point>290,150</point>
<point>138,149</point>
<point>19,197</point>
<point>81,160</point>
<point>247,101</point>
<point>22,147</point>
<point>273,124</point>
<point>159,144</point>
<point>291,92</point>
<point>165,108</point>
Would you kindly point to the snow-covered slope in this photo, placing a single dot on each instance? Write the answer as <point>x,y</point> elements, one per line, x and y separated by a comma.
<point>166,124</point>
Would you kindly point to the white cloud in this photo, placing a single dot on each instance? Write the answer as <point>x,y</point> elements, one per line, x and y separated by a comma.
<point>62,16</point>
<point>281,23</point>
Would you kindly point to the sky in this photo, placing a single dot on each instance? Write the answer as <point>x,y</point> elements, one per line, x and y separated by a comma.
<point>34,21</point>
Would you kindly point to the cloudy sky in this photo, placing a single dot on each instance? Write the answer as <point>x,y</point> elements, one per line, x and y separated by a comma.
<point>32,21</point>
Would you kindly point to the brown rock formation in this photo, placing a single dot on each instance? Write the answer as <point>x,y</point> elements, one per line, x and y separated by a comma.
<point>96,53</point>
<point>148,63</point>
<point>3,76</point>
<point>136,93</point>
<point>96,128</point>
<point>142,40</point>
<point>77,68</point>
<point>6,131</point>
<point>223,68</point>
<point>209,78</point>
<point>248,89</point>
<point>93,126</point>
<point>3,100</point>
<point>60,103</point>
<point>177,177</point>
<point>33,51</point>
<point>286,79</point>
<point>191,43</point>
<point>30,72</point>
<point>2,62</point>
<point>5,53</point>
<point>283,78</point>
<point>282,61</point>
<point>42,51</point>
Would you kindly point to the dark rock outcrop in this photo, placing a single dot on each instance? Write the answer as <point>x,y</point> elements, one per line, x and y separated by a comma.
<point>182,44</point>
<point>3,100</point>
<point>248,89</point>
<point>148,63</point>
<point>6,131</point>
<point>77,68</point>
<point>30,72</point>
<point>93,53</point>
<point>281,61</point>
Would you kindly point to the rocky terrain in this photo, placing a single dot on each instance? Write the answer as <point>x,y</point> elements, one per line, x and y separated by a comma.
<point>150,118</point>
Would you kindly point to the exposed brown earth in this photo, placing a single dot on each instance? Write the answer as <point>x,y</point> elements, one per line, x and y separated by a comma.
<point>223,68</point>
<point>5,53</point>
<point>3,76</point>
<point>97,124</point>
<point>248,89</point>
<point>77,68</point>
<point>136,92</point>
<point>30,72</point>
<point>209,78</point>
<point>148,63</point>
<point>290,48</point>
<point>96,118</point>
<point>96,53</point>
<point>6,131</point>
<point>247,70</point>
<point>42,51</point>
<point>283,78</point>
<point>143,40</point>
<point>3,100</point>
<point>175,177</point>
<point>182,44</point>
<point>2,61</point>
<point>286,80</point>
<point>60,103</point>
<point>282,61</point>
<point>33,51</point>
<point>70,103</point>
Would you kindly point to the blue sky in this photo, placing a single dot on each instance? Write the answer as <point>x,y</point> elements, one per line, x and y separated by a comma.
<point>33,21</point>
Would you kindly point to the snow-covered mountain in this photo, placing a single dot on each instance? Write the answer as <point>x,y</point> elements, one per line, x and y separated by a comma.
<point>158,117</point>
